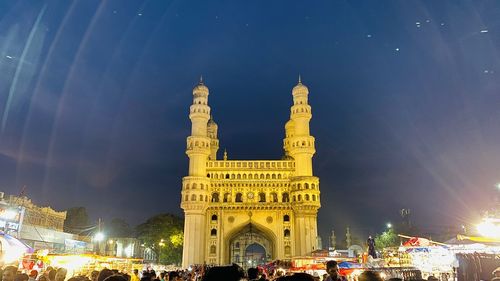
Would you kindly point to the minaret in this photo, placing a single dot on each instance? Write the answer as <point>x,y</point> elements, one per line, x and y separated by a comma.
<point>289,132</point>
<point>333,240</point>
<point>195,193</point>
<point>299,145</point>
<point>302,143</point>
<point>348,237</point>
<point>214,141</point>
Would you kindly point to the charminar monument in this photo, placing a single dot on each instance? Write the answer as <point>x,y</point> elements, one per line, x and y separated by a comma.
<point>249,211</point>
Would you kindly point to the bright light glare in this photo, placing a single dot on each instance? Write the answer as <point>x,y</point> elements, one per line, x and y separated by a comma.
<point>9,215</point>
<point>72,263</point>
<point>99,236</point>
<point>488,228</point>
<point>129,250</point>
<point>13,254</point>
<point>389,225</point>
<point>498,185</point>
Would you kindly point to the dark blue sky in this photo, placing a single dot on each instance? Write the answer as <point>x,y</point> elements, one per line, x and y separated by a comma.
<point>94,97</point>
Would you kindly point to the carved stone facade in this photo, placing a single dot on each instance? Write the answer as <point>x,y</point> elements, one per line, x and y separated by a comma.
<point>39,216</point>
<point>249,211</point>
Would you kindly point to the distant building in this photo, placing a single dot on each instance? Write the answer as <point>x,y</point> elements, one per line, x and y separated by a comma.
<point>406,218</point>
<point>39,216</point>
<point>348,239</point>
<point>11,217</point>
<point>39,227</point>
<point>319,246</point>
<point>333,240</point>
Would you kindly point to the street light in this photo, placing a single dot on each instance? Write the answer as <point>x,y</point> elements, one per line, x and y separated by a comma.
<point>389,225</point>
<point>159,249</point>
<point>99,236</point>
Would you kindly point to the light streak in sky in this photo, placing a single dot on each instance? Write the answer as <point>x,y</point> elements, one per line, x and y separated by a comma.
<point>19,68</point>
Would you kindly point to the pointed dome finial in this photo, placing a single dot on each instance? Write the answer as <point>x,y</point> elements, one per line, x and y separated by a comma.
<point>225,154</point>
<point>201,79</point>
<point>300,88</point>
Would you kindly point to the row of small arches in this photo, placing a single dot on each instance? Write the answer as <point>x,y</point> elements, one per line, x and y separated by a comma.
<point>248,164</point>
<point>200,102</point>
<point>300,143</point>
<point>266,184</point>
<point>247,176</point>
<point>214,218</point>
<point>306,186</point>
<point>201,198</point>
<point>213,232</point>
<point>307,197</point>
<point>300,110</point>
<point>198,144</point>
<point>199,110</point>
<point>195,186</point>
<point>261,197</point>
<point>202,186</point>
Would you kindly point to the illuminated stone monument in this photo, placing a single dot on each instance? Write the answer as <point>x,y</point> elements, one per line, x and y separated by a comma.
<point>249,211</point>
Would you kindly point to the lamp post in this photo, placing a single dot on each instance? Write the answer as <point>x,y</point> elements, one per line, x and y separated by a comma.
<point>161,244</point>
<point>98,237</point>
<point>111,250</point>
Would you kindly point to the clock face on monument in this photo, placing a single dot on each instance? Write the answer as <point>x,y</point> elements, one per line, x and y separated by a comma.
<point>250,195</point>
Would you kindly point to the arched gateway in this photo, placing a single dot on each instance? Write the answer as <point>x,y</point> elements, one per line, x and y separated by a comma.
<point>249,211</point>
<point>250,246</point>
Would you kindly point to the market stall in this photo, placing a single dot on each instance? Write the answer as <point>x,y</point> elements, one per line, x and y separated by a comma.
<point>12,249</point>
<point>80,264</point>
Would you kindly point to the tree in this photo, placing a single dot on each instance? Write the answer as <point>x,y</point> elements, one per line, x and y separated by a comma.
<point>388,238</point>
<point>118,228</point>
<point>77,220</point>
<point>164,235</point>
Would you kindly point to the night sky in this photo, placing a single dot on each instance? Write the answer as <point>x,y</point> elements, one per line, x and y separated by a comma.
<point>95,95</point>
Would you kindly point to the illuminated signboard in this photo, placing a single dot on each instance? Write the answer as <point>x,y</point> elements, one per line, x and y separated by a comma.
<point>10,218</point>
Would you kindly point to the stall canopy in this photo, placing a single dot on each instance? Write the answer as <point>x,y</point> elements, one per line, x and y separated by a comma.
<point>11,242</point>
<point>12,248</point>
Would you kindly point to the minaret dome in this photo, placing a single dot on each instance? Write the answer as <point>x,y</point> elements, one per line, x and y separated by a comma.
<point>300,89</point>
<point>211,123</point>
<point>200,88</point>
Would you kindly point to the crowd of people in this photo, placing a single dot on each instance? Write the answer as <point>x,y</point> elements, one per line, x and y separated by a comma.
<point>217,273</point>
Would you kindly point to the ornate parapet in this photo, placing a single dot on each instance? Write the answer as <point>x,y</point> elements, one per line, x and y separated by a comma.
<point>39,216</point>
